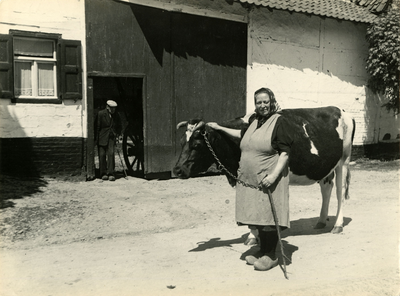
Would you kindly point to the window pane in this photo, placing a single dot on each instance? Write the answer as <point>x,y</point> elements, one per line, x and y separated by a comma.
<point>46,79</point>
<point>23,79</point>
<point>33,47</point>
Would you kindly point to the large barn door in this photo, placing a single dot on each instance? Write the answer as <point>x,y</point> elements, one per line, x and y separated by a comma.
<point>210,57</point>
<point>191,66</point>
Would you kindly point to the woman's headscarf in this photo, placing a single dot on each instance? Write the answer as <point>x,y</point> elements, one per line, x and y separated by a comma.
<point>274,106</point>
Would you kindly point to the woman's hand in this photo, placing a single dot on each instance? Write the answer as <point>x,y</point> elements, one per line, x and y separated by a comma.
<point>280,166</point>
<point>214,125</point>
<point>268,180</point>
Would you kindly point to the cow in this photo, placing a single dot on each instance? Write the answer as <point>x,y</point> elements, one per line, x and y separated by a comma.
<point>321,151</point>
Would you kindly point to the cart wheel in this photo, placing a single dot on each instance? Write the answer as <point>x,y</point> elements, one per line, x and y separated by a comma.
<point>132,148</point>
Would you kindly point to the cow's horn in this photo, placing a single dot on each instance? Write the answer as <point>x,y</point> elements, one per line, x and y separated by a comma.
<point>180,124</point>
<point>199,125</point>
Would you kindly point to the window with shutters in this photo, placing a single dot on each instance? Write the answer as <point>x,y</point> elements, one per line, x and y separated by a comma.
<point>35,68</point>
<point>39,67</point>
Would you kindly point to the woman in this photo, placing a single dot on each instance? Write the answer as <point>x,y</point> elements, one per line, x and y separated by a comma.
<point>265,149</point>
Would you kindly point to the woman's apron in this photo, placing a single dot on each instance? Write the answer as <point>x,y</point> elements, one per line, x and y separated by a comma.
<point>258,159</point>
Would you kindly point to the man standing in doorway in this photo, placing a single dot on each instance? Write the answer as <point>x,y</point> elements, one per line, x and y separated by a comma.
<point>108,129</point>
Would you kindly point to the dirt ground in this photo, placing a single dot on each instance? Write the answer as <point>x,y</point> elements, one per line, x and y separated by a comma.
<point>179,237</point>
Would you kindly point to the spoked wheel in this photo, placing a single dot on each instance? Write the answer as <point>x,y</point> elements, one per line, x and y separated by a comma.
<point>133,150</point>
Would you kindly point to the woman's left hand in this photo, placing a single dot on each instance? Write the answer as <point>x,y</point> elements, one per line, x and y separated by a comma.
<point>268,181</point>
<point>271,178</point>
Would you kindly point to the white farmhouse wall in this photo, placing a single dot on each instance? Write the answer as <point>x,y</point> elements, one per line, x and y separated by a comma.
<point>44,120</point>
<point>309,61</point>
<point>388,122</point>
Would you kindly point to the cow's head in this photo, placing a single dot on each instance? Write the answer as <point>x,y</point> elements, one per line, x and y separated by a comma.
<point>196,157</point>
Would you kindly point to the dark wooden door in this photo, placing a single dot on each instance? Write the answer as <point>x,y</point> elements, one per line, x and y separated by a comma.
<point>191,66</point>
<point>209,60</point>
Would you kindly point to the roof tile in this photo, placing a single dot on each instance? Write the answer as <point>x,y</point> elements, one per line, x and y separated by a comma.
<point>375,6</point>
<point>338,9</point>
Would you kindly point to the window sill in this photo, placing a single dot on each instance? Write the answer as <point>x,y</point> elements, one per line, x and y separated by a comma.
<point>37,101</point>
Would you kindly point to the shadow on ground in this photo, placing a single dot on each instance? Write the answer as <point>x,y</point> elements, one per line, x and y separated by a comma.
<point>12,188</point>
<point>306,226</point>
<point>217,243</point>
<point>298,227</point>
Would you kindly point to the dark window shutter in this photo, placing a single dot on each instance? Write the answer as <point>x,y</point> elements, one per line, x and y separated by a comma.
<point>6,67</point>
<point>70,71</point>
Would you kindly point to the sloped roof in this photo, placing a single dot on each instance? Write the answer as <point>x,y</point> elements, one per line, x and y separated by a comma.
<point>337,9</point>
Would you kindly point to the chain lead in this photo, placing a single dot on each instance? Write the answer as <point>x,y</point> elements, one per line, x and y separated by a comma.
<point>220,165</point>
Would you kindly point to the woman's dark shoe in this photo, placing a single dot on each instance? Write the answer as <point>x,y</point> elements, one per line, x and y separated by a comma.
<point>111,178</point>
<point>105,178</point>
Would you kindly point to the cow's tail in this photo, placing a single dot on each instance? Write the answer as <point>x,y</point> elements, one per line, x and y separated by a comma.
<point>347,184</point>
<point>348,173</point>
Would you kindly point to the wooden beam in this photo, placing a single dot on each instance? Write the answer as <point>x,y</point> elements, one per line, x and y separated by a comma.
<point>190,10</point>
<point>90,145</point>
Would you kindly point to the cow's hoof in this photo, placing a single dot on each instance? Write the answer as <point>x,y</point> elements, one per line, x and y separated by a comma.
<point>337,229</point>
<point>320,225</point>
<point>251,242</point>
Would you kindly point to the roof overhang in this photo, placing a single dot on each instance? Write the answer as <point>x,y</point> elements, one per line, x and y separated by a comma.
<point>192,9</point>
<point>338,9</point>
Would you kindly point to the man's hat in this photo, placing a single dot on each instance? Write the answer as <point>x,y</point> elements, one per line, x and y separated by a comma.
<point>111,103</point>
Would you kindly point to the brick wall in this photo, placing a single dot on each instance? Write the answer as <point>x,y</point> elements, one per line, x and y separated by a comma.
<point>52,156</point>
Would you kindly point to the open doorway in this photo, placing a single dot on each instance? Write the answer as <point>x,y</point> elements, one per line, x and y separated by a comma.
<point>128,93</point>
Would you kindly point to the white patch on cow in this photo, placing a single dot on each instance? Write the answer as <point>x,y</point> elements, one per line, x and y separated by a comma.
<point>188,135</point>
<point>189,131</point>
<point>340,129</point>
<point>313,148</point>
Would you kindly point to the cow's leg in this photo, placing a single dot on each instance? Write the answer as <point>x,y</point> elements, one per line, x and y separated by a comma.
<point>342,192</point>
<point>338,227</point>
<point>343,170</point>
<point>326,186</point>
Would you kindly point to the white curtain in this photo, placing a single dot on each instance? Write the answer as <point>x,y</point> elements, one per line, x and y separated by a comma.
<point>46,80</point>
<point>23,79</point>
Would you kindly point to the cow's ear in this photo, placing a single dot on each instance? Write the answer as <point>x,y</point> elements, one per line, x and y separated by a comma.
<point>199,126</point>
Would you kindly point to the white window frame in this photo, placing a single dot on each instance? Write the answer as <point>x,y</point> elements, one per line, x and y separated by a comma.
<point>35,70</point>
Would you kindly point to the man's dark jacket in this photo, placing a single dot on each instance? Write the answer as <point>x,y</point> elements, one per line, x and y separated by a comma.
<point>107,127</point>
